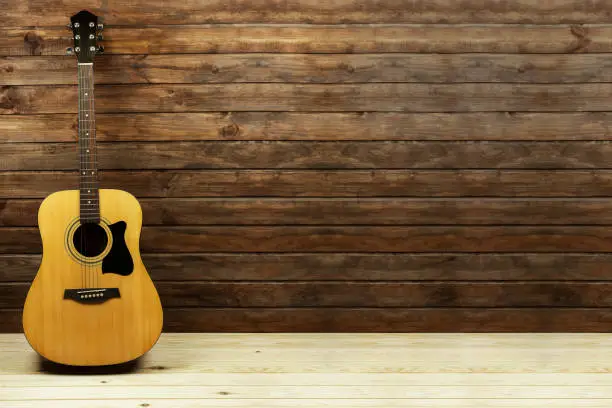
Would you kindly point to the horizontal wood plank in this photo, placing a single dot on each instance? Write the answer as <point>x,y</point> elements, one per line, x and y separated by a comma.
<point>331,402</point>
<point>303,68</point>
<point>51,13</point>
<point>355,39</point>
<point>389,320</point>
<point>350,267</point>
<point>371,126</point>
<point>376,239</point>
<point>330,183</point>
<point>313,155</point>
<point>377,320</point>
<point>309,98</point>
<point>359,239</point>
<point>361,294</point>
<point>325,211</point>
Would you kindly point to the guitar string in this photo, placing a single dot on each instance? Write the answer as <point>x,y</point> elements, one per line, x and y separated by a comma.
<point>86,156</point>
<point>88,121</point>
<point>81,142</point>
<point>87,135</point>
<point>88,167</point>
<point>85,148</point>
<point>93,157</point>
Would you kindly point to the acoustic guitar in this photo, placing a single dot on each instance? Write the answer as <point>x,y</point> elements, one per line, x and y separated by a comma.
<point>92,301</point>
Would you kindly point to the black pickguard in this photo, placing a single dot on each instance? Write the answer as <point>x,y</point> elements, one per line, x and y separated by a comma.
<point>119,260</point>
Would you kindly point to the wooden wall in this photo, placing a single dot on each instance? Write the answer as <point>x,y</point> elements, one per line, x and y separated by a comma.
<point>304,165</point>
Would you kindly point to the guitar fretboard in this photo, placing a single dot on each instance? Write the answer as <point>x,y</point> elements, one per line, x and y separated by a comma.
<point>88,168</point>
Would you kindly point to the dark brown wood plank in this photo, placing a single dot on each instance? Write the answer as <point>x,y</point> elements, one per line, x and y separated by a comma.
<point>470,320</point>
<point>388,320</point>
<point>54,12</point>
<point>364,211</point>
<point>240,239</point>
<point>370,294</point>
<point>379,294</point>
<point>375,239</point>
<point>313,155</point>
<point>303,68</point>
<point>330,183</point>
<point>308,98</point>
<point>325,126</point>
<point>447,266</point>
<point>355,39</point>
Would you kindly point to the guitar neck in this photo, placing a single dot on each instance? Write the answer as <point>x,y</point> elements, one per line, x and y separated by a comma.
<point>88,168</point>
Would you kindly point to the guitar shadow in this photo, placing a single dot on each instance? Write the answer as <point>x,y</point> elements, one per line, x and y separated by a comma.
<point>50,367</point>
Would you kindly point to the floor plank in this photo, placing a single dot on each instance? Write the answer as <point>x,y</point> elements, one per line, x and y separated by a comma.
<point>337,370</point>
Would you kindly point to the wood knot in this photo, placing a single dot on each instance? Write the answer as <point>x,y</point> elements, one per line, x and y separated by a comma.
<point>230,131</point>
<point>33,43</point>
<point>525,67</point>
<point>223,393</point>
<point>214,69</point>
<point>583,41</point>
<point>347,67</point>
<point>8,100</point>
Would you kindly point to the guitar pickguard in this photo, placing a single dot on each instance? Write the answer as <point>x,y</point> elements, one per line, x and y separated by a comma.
<point>119,260</point>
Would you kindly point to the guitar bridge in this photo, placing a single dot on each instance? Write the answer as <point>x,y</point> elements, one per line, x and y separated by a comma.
<point>92,295</point>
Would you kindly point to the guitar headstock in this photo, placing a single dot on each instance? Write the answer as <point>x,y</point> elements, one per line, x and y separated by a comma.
<point>86,34</point>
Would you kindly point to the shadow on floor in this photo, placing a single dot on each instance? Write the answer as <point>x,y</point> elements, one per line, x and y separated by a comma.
<point>49,367</point>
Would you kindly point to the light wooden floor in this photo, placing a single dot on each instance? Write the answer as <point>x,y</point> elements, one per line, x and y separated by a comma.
<point>336,370</point>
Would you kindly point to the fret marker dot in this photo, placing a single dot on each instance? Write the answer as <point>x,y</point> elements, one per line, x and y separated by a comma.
<point>87,150</point>
<point>89,191</point>
<point>87,114</point>
<point>85,93</point>
<point>83,172</point>
<point>88,201</point>
<point>92,172</point>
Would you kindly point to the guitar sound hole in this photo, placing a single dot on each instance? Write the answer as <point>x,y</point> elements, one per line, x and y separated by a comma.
<point>90,239</point>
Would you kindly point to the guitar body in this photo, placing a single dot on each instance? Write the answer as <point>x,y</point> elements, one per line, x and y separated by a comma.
<point>92,302</point>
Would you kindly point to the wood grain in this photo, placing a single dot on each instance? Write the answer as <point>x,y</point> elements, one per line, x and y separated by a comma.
<point>523,320</point>
<point>314,155</point>
<point>137,12</point>
<point>290,97</point>
<point>347,211</point>
<point>314,68</point>
<point>309,98</point>
<point>376,239</point>
<point>360,294</point>
<point>240,239</point>
<point>321,126</point>
<point>328,183</point>
<point>112,332</point>
<point>320,39</point>
<point>323,166</point>
<point>376,320</point>
<point>370,267</point>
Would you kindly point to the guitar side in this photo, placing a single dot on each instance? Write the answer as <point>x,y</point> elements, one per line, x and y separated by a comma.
<point>86,333</point>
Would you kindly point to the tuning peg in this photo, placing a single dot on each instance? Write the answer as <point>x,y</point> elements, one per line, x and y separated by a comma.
<point>100,50</point>
<point>100,37</point>
<point>69,51</point>
<point>100,26</point>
